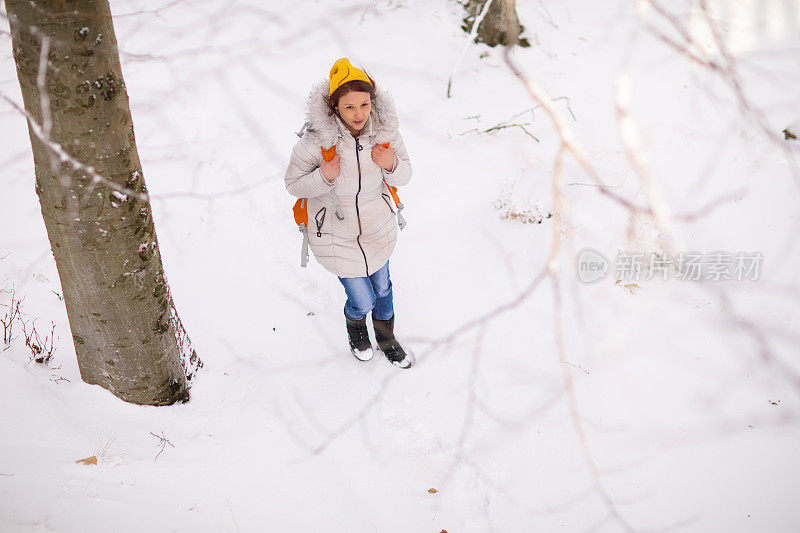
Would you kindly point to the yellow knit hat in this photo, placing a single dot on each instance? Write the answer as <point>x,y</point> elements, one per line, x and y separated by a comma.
<point>343,71</point>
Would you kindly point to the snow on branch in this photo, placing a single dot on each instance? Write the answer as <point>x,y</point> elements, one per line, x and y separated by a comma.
<point>726,67</point>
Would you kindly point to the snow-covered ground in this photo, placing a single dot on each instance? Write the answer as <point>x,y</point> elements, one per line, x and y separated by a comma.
<point>676,407</point>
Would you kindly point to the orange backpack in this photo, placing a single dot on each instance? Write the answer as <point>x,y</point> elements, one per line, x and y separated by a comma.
<point>300,207</point>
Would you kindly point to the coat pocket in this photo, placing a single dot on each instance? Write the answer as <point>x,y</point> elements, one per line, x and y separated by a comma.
<point>319,220</point>
<point>320,238</point>
<point>386,199</point>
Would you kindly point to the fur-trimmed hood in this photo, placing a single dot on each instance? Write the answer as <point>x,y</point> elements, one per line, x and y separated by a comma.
<point>325,130</point>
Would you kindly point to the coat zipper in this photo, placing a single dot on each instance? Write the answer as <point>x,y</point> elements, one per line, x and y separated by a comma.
<point>358,216</point>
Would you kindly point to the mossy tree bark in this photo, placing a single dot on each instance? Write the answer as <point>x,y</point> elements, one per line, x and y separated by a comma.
<point>501,24</point>
<point>127,335</point>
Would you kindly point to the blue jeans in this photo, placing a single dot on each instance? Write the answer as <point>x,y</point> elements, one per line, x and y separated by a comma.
<point>369,293</point>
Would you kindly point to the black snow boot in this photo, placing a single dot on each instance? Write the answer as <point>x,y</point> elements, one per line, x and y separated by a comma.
<point>358,335</point>
<point>384,335</point>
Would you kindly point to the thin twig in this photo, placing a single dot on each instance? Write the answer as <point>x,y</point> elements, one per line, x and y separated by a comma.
<point>473,32</point>
<point>162,441</point>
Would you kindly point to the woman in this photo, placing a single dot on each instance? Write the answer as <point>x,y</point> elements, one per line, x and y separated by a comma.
<point>351,220</point>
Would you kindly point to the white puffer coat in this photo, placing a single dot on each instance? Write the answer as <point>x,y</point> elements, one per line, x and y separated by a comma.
<point>360,244</point>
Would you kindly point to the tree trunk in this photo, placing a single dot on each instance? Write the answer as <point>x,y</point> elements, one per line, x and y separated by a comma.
<point>127,335</point>
<point>501,25</point>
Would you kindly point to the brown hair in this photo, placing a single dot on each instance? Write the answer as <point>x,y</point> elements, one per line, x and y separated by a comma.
<point>350,87</point>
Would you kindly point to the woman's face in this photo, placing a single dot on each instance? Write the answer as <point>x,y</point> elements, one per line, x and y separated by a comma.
<point>354,108</point>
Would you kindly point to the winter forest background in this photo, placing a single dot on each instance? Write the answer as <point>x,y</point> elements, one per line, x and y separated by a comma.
<point>547,395</point>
